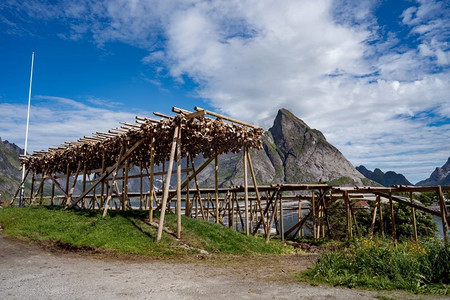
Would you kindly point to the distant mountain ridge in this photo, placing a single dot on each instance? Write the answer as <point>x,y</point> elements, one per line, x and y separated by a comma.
<point>12,147</point>
<point>440,176</point>
<point>389,178</point>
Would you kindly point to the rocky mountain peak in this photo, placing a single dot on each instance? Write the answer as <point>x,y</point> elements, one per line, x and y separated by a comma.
<point>290,129</point>
<point>440,176</point>
<point>302,154</point>
<point>12,146</point>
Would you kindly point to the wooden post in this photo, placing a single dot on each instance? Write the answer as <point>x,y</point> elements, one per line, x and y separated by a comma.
<point>33,178</point>
<point>141,183</point>
<point>41,187</point>
<point>216,186</point>
<point>353,217</point>
<point>162,176</point>
<point>67,181</point>
<point>413,213</point>
<point>113,183</point>
<point>102,184</point>
<point>179,183</point>
<point>258,197</point>
<point>53,193</point>
<point>372,227</point>
<point>167,185</point>
<point>281,218</point>
<point>313,206</point>
<point>94,196</point>
<point>84,182</point>
<point>444,214</point>
<point>247,228</point>
<point>230,222</point>
<point>188,205</point>
<point>233,200</point>
<point>300,215</point>
<point>380,209</point>
<point>199,195</point>
<point>272,216</point>
<point>152,172</point>
<point>125,185</point>
<point>19,189</point>
<point>349,217</point>
<point>391,206</point>
<point>325,211</point>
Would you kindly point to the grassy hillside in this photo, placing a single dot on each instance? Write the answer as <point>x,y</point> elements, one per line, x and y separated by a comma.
<point>124,232</point>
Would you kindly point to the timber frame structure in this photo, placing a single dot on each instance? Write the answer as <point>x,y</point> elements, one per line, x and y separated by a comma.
<point>148,142</point>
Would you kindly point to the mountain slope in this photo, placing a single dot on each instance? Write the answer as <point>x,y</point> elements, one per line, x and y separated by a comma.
<point>389,178</point>
<point>10,176</point>
<point>440,176</point>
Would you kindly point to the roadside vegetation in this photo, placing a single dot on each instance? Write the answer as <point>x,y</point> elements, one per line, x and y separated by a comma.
<point>125,232</point>
<point>380,265</point>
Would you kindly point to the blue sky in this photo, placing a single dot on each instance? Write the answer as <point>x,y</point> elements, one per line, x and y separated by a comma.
<point>373,76</point>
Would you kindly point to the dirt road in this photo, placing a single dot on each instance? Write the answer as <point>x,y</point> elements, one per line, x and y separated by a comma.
<point>29,272</point>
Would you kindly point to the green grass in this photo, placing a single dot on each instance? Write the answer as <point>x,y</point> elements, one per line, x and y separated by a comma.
<point>378,264</point>
<point>124,232</point>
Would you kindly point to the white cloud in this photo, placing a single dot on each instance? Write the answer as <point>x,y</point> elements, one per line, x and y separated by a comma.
<point>55,120</point>
<point>325,60</point>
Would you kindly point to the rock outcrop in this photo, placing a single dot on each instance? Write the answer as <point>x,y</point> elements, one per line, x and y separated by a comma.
<point>440,176</point>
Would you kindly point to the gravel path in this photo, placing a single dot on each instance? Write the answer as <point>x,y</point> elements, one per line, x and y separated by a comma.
<point>29,272</point>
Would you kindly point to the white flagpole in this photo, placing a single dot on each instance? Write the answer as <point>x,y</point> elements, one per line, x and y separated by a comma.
<point>26,131</point>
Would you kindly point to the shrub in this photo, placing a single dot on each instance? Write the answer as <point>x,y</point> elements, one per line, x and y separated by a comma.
<point>378,264</point>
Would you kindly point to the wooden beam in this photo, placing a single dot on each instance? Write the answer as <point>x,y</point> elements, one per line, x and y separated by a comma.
<point>400,200</point>
<point>226,118</point>
<point>166,187</point>
<point>258,197</point>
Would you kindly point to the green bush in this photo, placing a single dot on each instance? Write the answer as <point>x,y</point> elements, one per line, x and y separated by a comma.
<point>378,264</point>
